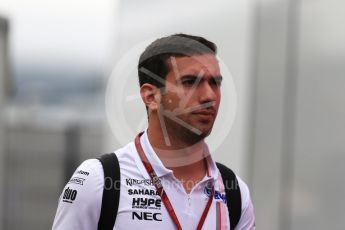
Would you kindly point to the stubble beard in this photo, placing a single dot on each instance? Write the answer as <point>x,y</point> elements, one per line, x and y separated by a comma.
<point>182,134</point>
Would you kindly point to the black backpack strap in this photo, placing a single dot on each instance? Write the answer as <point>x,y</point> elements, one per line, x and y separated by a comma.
<point>233,194</point>
<point>111,191</point>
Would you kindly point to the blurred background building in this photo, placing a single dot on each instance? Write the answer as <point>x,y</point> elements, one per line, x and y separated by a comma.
<point>4,77</point>
<point>287,58</point>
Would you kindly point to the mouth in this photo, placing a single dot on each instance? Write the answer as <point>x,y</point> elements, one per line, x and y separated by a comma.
<point>205,114</point>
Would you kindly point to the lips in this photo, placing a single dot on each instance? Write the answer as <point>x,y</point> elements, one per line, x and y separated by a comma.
<point>205,114</point>
<point>209,112</point>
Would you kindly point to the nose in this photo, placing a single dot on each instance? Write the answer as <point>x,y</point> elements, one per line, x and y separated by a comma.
<point>208,93</point>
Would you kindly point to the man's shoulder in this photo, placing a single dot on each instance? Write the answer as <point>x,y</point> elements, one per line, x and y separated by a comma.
<point>92,168</point>
<point>245,193</point>
<point>247,220</point>
<point>81,196</point>
<point>88,174</point>
<point>89,171</point>
<point>125,152</point>
<point>90,165</point>
<point>127,157</point>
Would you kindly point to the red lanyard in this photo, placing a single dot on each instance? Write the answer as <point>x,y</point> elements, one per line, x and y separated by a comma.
<point>158,184</point>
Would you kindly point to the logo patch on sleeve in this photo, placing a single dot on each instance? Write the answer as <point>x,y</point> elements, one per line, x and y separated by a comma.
<point>69,195</point>
<point>76,180</point>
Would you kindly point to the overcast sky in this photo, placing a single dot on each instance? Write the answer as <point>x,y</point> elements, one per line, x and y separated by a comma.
<point>60,32</point>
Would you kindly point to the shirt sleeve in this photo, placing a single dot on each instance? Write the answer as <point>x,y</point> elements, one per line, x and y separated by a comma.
<point>80,203</point>
<point>247,220</point>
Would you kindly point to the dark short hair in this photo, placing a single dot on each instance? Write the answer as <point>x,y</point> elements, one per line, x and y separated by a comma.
<point>153,66</point>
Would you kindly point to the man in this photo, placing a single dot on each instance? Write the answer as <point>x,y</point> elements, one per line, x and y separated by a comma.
<point>168,177</point>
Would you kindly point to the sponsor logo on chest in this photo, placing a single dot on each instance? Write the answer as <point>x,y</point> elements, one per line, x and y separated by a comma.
<point>149,192</point>
<point>217,195</point>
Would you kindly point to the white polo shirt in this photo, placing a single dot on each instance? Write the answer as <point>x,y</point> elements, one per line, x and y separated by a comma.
<point>140,206</point>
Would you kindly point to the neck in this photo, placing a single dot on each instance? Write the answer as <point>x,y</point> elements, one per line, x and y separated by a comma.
<point>186,161</point>
<point>173,151</point>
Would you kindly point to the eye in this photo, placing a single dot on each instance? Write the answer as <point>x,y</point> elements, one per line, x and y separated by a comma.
<point>217,81</point>
<point>188,81</point>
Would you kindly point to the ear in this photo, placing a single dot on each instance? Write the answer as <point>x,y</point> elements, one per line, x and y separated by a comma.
<point>150,96</point>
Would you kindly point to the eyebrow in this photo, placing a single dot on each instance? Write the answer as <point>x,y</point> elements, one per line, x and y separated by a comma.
<point>217,77</point>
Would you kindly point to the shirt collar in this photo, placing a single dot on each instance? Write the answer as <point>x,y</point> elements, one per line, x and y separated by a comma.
<point>212,169</point>
<point>161,170</point>
<point>151,155</point>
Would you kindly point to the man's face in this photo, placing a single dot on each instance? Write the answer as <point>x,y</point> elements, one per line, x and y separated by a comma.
<point>191,97</point>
